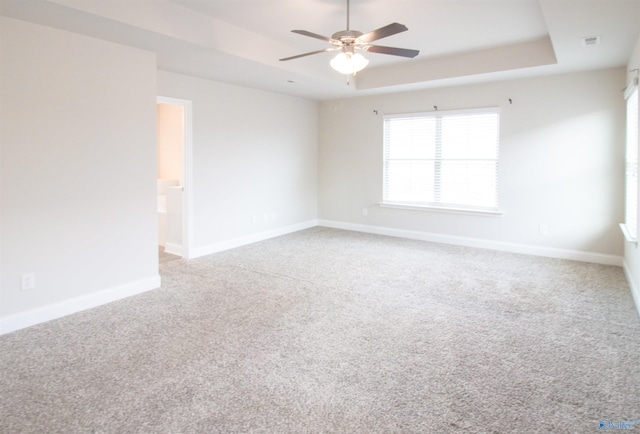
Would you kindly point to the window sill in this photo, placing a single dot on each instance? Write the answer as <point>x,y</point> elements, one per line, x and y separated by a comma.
<point>443,209</point>
<point>627,234</point>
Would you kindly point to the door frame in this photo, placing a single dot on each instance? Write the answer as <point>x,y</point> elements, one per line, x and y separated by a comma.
<point>187,168</point>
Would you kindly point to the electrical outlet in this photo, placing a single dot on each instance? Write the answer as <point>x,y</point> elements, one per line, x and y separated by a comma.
<point>365,212</point>
<point>543,230</point>
<point>28,281</point>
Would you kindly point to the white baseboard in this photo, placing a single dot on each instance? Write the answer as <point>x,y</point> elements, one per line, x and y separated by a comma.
<point>574,255</point>
<point>77,304</point>
<point>172,248</point>
<point>632,286</point>
<point>253,238</point>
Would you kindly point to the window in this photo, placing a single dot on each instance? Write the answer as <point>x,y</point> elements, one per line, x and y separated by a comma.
<point>442,159</point>
<point>630,227</point>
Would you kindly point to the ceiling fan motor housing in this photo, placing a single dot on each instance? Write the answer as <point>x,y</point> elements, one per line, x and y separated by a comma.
<point>347,36</point>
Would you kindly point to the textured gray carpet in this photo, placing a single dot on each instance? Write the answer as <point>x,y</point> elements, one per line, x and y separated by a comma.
<point>333,331</point>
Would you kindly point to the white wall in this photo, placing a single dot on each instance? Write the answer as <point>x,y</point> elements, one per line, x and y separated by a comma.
<point>78,160</point>
<point>561,163</point>
<point>78,179</point>
<point>254,154</point>
<point>631,250</point>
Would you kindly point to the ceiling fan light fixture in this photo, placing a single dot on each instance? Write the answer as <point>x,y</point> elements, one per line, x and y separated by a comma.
<point>349,63</point>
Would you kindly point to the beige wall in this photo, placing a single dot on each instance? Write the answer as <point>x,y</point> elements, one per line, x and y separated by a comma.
<point>170,131</point>
<point>255,159</point>
<point>78,178</point>
<point>561,154</point>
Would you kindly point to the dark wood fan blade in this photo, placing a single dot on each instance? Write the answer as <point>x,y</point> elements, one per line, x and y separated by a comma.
<point>383,32</point>
<point>315,35</point>
<point>404,52</point>
<point>309,54</point>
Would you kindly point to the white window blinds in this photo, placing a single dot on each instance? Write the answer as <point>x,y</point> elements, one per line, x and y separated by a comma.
<point>442,159</point>
<point>631,169</point>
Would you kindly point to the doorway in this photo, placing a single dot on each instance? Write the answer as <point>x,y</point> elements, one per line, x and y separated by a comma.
<point>174,182</point>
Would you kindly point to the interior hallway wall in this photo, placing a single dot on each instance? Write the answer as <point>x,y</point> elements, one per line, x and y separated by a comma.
<point>78,176</point>
<point>254,160</point>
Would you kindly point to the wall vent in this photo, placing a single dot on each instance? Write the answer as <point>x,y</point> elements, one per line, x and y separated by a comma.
<point>591,40</point>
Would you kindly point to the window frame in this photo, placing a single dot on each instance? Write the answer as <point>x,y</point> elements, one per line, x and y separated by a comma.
<point>438,205</point>
<point>630,226</point>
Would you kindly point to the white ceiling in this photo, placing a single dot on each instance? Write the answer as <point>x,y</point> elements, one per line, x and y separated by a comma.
<point>460,41</point>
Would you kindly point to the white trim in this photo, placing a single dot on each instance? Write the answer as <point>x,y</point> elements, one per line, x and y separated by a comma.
<point>631,87</point>
<point>249,239</point>
<point>635,293</point>
<point>574,255</point>
<point>394,185</point>
<point>174,249</point>
<point>77,304</point>
<point>450,210</point>
<point>187,173</point>
<point>436,112</point>
<point>627,235</point>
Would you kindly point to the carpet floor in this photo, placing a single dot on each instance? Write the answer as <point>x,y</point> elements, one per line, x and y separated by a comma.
<point>329,331</point>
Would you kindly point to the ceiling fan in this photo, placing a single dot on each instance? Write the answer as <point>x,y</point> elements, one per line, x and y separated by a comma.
<point>348,61</point>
